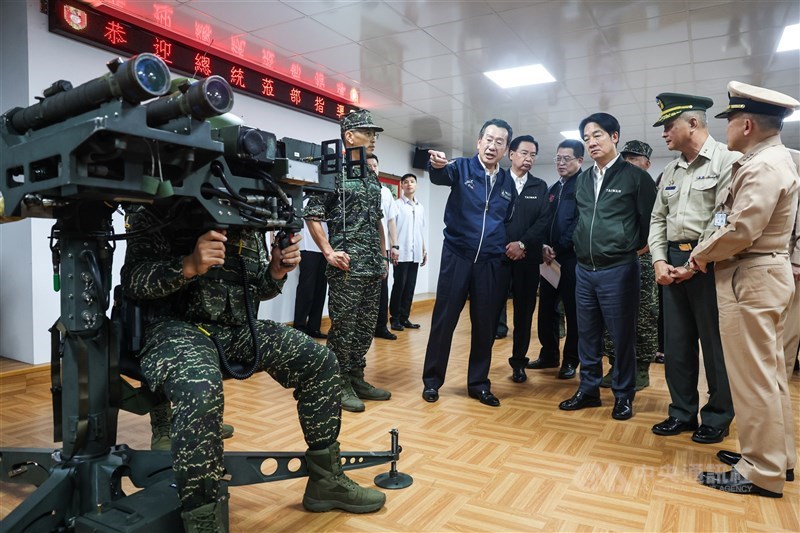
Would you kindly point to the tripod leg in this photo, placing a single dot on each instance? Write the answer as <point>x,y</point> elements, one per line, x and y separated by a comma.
<point>45,509</point>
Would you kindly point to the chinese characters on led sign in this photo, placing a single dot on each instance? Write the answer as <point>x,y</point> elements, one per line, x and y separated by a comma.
<point>83,22</point>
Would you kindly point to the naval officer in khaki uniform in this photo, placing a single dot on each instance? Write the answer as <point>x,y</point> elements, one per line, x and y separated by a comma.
<point>683,215</point>
<point>791,336</point>
<point>755,286</point>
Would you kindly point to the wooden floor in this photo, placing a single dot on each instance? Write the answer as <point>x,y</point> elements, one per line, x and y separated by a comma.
<point>525,466</point>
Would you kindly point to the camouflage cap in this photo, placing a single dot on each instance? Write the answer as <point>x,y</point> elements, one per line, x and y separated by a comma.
<point>673,104</point>
<point>358,119</point>
<point>637,148</point>
<point>752,99</point>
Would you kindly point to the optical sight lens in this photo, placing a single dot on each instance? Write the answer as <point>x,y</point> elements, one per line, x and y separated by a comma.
<point>152,74</point>
<point>219,94</point>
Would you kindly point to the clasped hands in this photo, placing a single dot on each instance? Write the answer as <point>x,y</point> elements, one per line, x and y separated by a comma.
<point>667,274</point>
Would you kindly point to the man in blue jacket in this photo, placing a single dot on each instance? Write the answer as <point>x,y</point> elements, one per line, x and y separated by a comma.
<point>615,199</point>
<point>563,218</point>
<point>481,195</point>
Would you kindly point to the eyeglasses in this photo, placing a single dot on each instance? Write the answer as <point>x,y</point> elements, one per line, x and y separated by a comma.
<point>370,134</point>
<point>499,142</point>
<point>566,159</point>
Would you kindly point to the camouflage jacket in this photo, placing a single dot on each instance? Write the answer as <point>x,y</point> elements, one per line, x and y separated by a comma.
<point>352,213</point>
<point>152,272</point>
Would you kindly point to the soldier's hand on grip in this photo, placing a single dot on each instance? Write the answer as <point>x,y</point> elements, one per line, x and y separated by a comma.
<point>285,259</point>
<point>209,251</point>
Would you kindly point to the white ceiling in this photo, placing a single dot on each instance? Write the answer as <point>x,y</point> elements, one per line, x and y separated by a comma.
<point>419,64</point>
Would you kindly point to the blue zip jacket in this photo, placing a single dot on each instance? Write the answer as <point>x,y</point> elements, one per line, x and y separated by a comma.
<point>563,217</point>
<point>476,211</point>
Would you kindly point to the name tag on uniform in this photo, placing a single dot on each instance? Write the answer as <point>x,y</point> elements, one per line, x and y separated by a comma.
<point>670,187</point>
<point>720,219</point>
<point>505,194</point>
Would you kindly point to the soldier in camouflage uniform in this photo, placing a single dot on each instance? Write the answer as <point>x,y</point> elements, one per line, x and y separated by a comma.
<point>638,153</point>
<point>356,264</point>
<point>195,311</point>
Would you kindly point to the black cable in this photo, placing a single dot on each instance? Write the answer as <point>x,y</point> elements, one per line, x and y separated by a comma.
<point>251,323</point>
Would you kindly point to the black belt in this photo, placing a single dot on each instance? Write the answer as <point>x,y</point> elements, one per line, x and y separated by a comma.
<point>683,246</point>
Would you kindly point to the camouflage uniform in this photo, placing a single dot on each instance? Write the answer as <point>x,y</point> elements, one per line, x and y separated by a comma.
<point>352,213</point>
<point>182,359</point>
<point>647,325</point>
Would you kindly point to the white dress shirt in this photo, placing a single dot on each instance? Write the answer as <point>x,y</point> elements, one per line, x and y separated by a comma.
<point>411,226</point>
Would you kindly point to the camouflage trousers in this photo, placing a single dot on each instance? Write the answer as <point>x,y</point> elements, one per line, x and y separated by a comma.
<point>647,326</point>
<point>184,361</point>
<point>353,307</point>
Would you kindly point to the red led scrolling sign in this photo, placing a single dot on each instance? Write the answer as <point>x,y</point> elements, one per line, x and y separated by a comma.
<point>128,36</point>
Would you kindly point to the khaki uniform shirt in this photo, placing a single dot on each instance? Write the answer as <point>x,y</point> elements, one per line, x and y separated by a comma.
<point>794,243</point>
<point>761,205</point>
<point>687,197</point>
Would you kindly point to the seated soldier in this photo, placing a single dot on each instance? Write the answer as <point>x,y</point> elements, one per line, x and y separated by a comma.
<point>198,293</point>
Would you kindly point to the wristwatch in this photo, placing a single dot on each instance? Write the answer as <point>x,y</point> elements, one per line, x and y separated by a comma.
<point>521,245</point>
<point>688,266</point>
<point>395,247</point>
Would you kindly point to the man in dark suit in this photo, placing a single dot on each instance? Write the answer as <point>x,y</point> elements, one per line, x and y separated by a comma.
<point>525,231</point>
<point>562,218</point>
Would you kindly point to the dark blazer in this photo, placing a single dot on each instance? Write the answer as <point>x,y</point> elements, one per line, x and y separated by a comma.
<point>529,218</point>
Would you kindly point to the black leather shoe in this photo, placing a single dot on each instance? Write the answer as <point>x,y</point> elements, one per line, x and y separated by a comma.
<point>317,334</point>
<point>733,482</point>
<point>623,409</point>
<point>385,334</point>
<point>659,358</point>
<point>673,426</point>
<point>410,325</point>
<point>732,458</point>
<point>709,435</point>
<point>567,371</point>
<point>540,364</point>
<point>518,375</point>
<point>728,457</point>
<point>499,335</point>
<point>579,400</point>
<point>486,398</point>
<point>430,395</point>
<point>397,326</point>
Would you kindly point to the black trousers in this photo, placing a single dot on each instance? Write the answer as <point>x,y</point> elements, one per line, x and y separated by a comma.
<point>486,283</point>
<point>524,283</point>
<point>548,315</point>
<point>311,290</point>
<point>383,306</point>
<point>691,311</point>
<point>405,280</point>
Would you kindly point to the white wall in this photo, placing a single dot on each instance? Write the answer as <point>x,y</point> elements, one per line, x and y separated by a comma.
<point>28,304</point>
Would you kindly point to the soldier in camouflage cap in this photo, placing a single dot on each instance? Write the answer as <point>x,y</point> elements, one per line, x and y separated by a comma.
<point>637,153</point>
<point>356,263</point>
<point>361,119</point>
<point>195,313</point>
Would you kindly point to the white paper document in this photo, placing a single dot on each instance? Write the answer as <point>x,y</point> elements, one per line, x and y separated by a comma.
<point>551,272</point>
